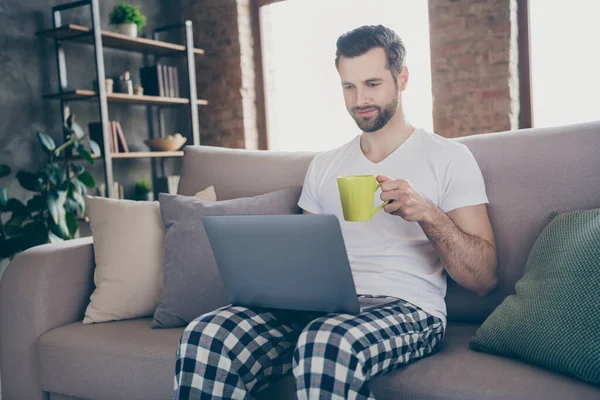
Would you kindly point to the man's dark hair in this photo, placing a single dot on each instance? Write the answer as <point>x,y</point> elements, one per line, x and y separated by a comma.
<point>360,40</point>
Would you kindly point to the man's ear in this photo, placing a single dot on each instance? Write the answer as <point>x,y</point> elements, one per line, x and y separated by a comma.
<point>403,78</point>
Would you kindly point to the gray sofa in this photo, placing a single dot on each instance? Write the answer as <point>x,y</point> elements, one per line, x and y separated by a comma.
<point>45,351</point>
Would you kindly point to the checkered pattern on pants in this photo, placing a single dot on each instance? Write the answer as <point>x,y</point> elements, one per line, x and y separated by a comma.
<point>234,352</point>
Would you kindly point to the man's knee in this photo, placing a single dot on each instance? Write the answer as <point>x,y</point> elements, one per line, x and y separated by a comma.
<point>217,324</point>
<point>327,332</point>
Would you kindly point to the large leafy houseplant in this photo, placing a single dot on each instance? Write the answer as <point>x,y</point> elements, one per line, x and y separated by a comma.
<point>50,215</point>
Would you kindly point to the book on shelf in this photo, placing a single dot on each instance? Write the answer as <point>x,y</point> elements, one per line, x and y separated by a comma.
<point>118,190</point>
<point>151,79</point>
<point>160,80</point>
<point>123,148</point>
<point>117,141</point>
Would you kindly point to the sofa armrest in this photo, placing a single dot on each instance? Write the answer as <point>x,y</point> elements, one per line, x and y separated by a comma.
<point>43,288</point>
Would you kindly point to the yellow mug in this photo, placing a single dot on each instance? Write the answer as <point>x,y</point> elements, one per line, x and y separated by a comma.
<point>357,196</point>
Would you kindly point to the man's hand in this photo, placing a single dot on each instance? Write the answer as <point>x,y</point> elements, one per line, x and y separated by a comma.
<point>406,201</point>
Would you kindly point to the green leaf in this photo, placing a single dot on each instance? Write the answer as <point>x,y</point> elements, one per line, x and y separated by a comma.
<point>87,179</point>
<point>34,234</point>
<point>76,197</point>
<point>3,199</point>
<point>61,230</point>
<point>72,224</point>
<point>55,175</point>
<point>95,148</point>
<point>4,170</point>
<point>14,225</point>
<point>46,141</point>
<point>77,169</point>
<point>84,153</point>
<point>80,186</point>
<point>56,206</point>
<point>17,208</point>
<point>53,238</point>
<point>9,246</point>
<point>30,181</point>
<point>36,203</point>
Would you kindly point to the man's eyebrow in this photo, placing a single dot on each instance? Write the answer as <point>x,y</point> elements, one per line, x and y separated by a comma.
<point>370,80</point>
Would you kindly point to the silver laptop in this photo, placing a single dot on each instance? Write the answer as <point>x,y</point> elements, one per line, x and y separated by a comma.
<point>295,262</point>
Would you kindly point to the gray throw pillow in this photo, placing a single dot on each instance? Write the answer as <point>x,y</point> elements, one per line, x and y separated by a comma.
<point>192,284</point>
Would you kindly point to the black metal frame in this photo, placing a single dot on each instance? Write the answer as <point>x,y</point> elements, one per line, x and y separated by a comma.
<point>100,78</point>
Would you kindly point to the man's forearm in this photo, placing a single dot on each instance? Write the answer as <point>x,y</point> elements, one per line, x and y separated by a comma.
<point>469,260</point>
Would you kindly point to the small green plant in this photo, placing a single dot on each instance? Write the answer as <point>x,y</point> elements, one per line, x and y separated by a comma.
<point>124,13</point>
<point>142,188</point>
<point>59,193</point>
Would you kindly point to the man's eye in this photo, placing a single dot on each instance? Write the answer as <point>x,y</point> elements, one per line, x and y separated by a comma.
<point>347,87</point>
<point>373,84</point>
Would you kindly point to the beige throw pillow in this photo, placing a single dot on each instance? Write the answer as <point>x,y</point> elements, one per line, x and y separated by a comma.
<point>207,194</point>
<point>129,252</point>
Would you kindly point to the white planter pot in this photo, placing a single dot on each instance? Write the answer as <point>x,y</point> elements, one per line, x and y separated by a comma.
<point>128,29</point>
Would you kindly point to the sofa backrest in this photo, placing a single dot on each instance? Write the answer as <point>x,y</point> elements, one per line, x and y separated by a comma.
<point>528,174</point>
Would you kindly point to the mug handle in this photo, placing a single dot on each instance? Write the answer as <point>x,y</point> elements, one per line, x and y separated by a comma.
<point>375,211</point>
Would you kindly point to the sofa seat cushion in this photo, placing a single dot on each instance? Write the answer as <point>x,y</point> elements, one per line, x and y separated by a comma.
<point>115,360</point>
<point>129,360</point>
<point>458,372</point>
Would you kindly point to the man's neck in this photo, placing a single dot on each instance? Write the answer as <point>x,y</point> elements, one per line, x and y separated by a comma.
<point>377,145</point>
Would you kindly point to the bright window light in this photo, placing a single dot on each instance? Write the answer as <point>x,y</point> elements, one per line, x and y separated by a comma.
<point>305,106</point>
<point>565,82</point>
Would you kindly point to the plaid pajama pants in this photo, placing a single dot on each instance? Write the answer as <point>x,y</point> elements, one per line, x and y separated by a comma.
<point>234,352</point>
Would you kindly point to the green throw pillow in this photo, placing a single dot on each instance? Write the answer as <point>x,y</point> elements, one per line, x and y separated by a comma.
<point>553,319</point>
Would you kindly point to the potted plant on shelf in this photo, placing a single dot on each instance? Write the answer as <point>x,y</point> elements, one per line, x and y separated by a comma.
<point>128,19</point>
<point>59,192</point>
<point>143,190</point>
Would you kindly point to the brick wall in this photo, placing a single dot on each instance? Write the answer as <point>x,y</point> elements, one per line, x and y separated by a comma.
<point>474,66</point>
<point>225,75</point>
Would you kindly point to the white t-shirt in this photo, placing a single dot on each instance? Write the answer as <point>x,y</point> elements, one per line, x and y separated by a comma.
<point>388,255</point>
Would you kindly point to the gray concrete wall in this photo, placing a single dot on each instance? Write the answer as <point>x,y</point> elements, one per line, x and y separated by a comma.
<point>28,70</point>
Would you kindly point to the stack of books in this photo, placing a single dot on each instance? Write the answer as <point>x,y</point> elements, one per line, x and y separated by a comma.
<point>160,80</point>
<point>118,144</point>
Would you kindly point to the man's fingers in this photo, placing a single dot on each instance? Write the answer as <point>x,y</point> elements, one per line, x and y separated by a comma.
<point>392,207</point>
<point>394,184</point>
<point>382,178</point>
<point>394,194</point>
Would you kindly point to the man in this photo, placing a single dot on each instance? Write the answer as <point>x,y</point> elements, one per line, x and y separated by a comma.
<point>435,224</point>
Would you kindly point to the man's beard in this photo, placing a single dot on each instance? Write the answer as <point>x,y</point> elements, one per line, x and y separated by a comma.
<point>378,121</point>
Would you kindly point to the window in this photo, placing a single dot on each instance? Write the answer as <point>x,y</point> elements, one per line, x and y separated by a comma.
<point>304,101</point>
<point>565,81</point>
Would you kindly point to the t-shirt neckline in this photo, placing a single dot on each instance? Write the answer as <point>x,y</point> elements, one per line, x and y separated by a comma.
<point>402,146</point>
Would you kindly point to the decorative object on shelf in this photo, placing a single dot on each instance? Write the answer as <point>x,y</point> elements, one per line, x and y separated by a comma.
<point>138,90</point>
<point>59,192</point>
<point>143,190</point>
<point>169,143</point>
<point>108,85</point>
<point>125,83</point>
<point>127,18</point>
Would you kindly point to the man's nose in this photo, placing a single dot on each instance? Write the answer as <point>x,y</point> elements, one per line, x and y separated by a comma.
<point>361,97</point>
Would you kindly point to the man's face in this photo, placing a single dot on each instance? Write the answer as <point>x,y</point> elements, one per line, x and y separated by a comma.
<point>370,92</point>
